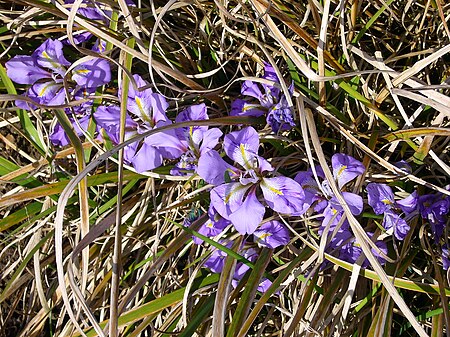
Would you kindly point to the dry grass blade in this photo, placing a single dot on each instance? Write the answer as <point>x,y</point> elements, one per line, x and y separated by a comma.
<point>360,234</point>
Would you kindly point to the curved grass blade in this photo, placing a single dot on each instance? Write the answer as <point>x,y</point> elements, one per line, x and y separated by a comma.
<point>248,295</point>
<point>141,312</point>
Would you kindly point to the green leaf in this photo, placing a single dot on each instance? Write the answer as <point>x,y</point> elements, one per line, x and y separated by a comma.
<point>158,304</point>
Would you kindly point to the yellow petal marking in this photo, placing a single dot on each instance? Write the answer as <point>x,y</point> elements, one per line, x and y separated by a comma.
<point>271,188</point>
<point>44,89</point>
<point>387,202</point>
<point>53,63</point>
<point>264,235</point>
<point>341,170</point>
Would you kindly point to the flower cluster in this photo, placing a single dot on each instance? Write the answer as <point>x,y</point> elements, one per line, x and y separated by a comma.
<point>46,70</point>
<point>246,192</point>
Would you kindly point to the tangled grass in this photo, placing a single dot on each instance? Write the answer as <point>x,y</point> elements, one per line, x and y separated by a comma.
<point>90,247</point>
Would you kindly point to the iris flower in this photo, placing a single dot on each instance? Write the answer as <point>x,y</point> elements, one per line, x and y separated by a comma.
<point>271,101</point>
<point>241,201</point>
<point>435,209</point>
<point>381,199</point>
<point>192,142</point>
<point>272,234</point>
<point>44,71</point>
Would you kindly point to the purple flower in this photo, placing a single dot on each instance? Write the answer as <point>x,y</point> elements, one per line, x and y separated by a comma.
<point>271,101</point>
<point>408,204</point>
<point>107,118</point>
<point>24,69</point>
<point>241,268</point>
<point>239,201</point>
<point>188,142</point>
<point>50,55</point>
<point>59,137</point>
<point>264,285</point>
<point>45,70</point>
<point>349,250</point>
<point>212,227</point>
<point>380,197</point>
<point>393,220</point>
<point>345,168</point>
<point>280,116</point>
<point>240,107</point>
<point>92,73</point>
<point>435,209</point>
<point>217,259</point>
<point>196,140</point>
<point>212,168</point>
<point>404,166</point>
<point>272,234</point>
<point>334,211</point>
<point>150,107</point>
<point>93,11</point>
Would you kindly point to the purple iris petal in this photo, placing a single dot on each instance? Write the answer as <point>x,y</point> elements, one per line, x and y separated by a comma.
<point>185,166</point>
<point>23,69</point>
<point>47,93</point>
<point>250,88</point>
<point>445,257</point>
<point>242,146</point>
<point>434,208</point>
<point>234,203</point>
<point>280,116</point>
<point>227,198</point>
<point>168,143</point>
<point>263,165</point>
<point>213,226</point>
<point>192,113</point>
<point>332,216</point>
<point>249,215</point>
<point>210,229</point>
<point>210,140</point>
<point>400,226</point>
<point>108,118</point>
<point>217,260</point>
<point>147,158</point>
<point>309,185</point>
<point>380,197</point>
<point>241,268</point>
<point>345,168</point>
<point>269,73</point>
<point>99,46</point>
<point>240,107</point>
<point>50,55</point>
<point>145,104</point>
<point>211,168</point>
<point>59,137</point>
<point>404,166</point>
<point>264,285</point>
<point>283,195</point>
<point>354,202</point>
<point>272,234</point>
<point>92,73</point>
<point>408,204</point>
